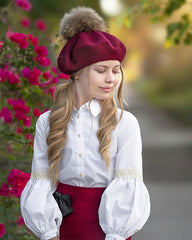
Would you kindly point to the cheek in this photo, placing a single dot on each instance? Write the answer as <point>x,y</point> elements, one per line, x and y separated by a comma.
<point>117,82</point>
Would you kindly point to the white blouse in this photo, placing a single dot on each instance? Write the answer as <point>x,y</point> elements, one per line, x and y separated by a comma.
<point>125,203</point>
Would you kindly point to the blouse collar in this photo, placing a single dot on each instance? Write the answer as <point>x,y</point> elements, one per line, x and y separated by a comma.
<point>94,107</point>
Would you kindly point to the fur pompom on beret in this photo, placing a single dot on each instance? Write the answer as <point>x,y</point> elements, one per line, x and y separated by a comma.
<point>86,41</point>
<point>80,19</point>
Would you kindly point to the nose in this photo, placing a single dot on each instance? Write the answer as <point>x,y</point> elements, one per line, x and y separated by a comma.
<point>110,77</point>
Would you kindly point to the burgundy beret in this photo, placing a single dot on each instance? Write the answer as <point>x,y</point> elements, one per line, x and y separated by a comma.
<point>86,48</point>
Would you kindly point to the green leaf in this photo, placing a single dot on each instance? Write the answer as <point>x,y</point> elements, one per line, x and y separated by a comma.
<point>128,22</point>
<point>173,5</point>
<point>188,39</point>
<point>172,28</point>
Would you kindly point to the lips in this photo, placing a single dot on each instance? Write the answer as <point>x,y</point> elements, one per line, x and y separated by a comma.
<point>107,89</point>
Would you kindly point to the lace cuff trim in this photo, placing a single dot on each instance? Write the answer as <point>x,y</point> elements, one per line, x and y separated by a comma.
<point>39,175</point>
<point>134,173</point>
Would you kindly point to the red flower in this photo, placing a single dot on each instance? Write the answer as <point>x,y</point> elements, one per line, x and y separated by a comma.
<point>19,38</point>
<point>52,90</point>
<point>47,75</point>
<point>25,22</point>
<point>11,77</point>
<point>19,105</point>
<point>19,130</point>
<point>41,51</point>
<point>40,25</point>
<point>20,109</point>
<point>20,221</point>
<point>5,190</point>
<point>43,61</point>
<point>27,121</point>
<point>35,41</point>
<point>32,76</point>
<point>36,112</point>
<point>64,76</point>
<point>2,230</point>
<point>54,70</point>
<point>6,115</point>
<point>2,75</point>
<point>17,181</point>
<point>24,4</point>
<point>1,44</point>
<point>29,136</point>
<point>55,80</point>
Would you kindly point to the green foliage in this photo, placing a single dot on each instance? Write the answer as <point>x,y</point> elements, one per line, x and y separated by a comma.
<point>177,32</point>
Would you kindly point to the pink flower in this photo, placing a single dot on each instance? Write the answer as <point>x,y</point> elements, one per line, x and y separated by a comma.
<point>2,230</point>
<point>20,221</point>
<point>2,75</point>
<point>52,90</point>
<point>40,25</point>
<point>25,22</point>
<point>64,76</point>
<point>17,181</point>
<point>20,39</point>
<point>19,130</point>
<point>1,44</point>
<point>36,112</point>
<point>11,77</point>
<point>20,109</point>
<point>6,115</point>
<point>24,4</point>
<point>55,80</point>
<point>9,32</point>
<point>43,61</point>
<point>32,76</point>
<point>19,105</point>
<point>54,70</point>
<point>34,40</point>
<point>47,75</point>
<point>27,121</point>
<point>41,51</point>
<point>5,190</point>
<point>29,136</point>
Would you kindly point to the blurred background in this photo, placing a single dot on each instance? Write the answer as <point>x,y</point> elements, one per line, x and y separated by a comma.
<point>158,90</point>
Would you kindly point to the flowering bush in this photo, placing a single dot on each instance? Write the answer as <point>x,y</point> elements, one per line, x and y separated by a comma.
<point>27,82</point>
<point>10,193</point>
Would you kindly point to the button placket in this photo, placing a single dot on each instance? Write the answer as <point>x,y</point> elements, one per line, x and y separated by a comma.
<point>80,147</point>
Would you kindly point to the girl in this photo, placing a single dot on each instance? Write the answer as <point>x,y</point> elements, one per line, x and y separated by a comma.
<point>86,181</point>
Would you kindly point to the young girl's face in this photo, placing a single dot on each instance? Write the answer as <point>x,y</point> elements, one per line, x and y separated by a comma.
<point>100,79</point>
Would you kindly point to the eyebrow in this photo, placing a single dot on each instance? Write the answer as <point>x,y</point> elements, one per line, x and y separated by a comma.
<point>108,66</point>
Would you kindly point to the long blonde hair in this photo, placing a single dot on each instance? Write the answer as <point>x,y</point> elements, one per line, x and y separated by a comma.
<point>60,116</point>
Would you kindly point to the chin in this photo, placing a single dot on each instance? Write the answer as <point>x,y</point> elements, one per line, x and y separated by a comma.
<point>103,97</point>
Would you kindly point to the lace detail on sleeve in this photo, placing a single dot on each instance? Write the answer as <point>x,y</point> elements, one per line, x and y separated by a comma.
<point>134,173</point>
<point>39,175</point>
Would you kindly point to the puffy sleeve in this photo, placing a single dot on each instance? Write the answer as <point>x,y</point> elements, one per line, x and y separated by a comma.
<point>38,207</point>
<point>125,204</point>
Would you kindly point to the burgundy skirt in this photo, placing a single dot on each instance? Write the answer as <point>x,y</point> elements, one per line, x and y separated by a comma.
<point>83,223</point>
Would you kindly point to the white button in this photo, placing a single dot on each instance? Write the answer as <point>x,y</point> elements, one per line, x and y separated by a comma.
<point>80,154</point>
<point>80,174</point>
<point>84,108</point>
